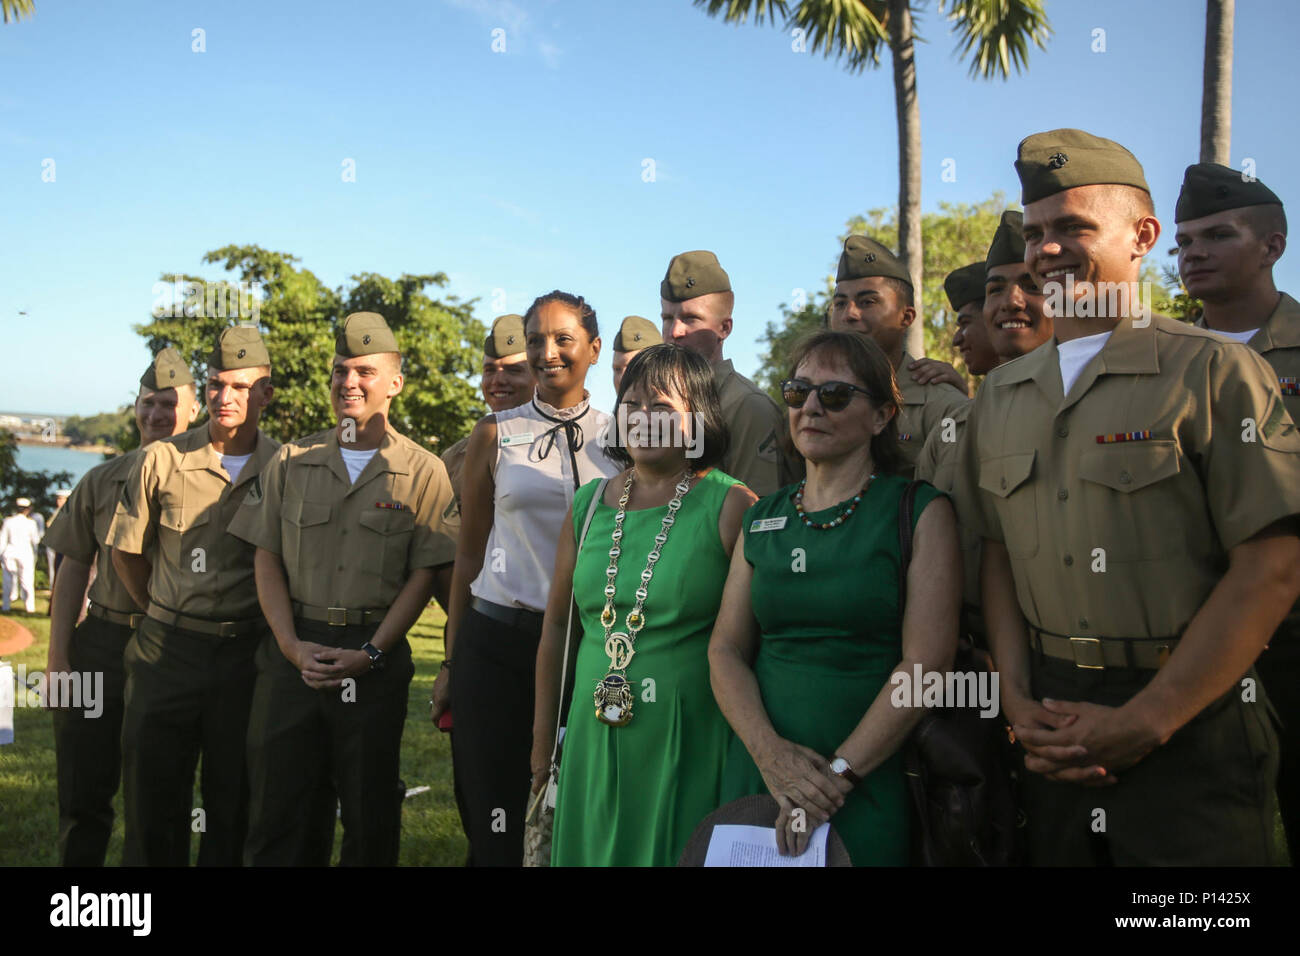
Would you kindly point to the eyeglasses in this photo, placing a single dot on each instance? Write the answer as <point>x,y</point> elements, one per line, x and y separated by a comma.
<point>834,396</point>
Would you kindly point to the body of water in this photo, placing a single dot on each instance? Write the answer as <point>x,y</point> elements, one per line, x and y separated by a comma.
<point>54,458</point>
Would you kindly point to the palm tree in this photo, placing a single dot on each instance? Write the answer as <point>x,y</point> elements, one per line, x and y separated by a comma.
<point>993,34</point>
<point>17,9</point>
<point>1216,88</point>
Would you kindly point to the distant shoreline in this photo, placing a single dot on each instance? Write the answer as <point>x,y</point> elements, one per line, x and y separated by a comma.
<point>64,443</point>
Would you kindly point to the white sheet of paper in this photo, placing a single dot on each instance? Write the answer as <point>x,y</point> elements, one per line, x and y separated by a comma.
<point>735,845</point>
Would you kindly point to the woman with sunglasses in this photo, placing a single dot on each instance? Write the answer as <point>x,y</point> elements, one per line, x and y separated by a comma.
<point>809,644</point>
<point>522,467</point>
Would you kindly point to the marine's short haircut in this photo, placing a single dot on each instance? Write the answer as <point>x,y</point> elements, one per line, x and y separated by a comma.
<point>1264,220</point>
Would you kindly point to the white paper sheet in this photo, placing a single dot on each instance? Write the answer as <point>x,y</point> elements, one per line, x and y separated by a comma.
<point>734,845</point>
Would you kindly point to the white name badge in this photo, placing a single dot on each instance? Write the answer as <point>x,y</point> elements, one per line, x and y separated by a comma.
<point>523,438</point>
<point>767,524</point>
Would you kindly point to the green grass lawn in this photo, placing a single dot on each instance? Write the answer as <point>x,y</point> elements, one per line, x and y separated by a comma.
<point>431,833</point>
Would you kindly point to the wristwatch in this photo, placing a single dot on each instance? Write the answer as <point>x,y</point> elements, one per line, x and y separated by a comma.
<point>377,658</point>
<point>841,768</point>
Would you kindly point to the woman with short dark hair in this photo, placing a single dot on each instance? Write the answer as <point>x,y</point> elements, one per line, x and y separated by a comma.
<point>810,633</point>
<point>645,742</point>
<point>522,467</point>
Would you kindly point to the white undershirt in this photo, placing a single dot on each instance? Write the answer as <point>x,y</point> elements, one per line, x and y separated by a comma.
<point>234,464</point>
<point>1242,337</point>
<point>356,461</point>
<point>1077,353</point>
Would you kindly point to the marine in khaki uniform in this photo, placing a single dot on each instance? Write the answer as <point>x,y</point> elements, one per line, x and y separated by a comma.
<point>696,301</point>
<point>352,537</point>
<point>87,745</point>
<point>506,383</point>
<point>634,335</point>
<point>873,295</point>
<point>1140,543</point>
<point>1230,234</point>
<point>189,666</point>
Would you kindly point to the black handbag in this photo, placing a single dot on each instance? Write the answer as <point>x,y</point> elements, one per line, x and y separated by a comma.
<point>959,765</point>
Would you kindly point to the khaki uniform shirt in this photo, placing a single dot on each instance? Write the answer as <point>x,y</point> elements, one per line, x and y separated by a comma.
<point>80,529</point>
<point>924,409</point>
<point>344,544</point>
<point>175,506</point>
<point>937,464</point>
<point>1162,510</point>
<point>454,461</point>
<point>756,425</point>
<point>1278,341</point>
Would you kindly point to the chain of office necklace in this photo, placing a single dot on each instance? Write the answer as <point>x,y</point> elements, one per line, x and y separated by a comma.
<point>613,695</point>
<point>838,519</point>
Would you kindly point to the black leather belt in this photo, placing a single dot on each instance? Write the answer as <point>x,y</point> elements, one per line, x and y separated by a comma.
<point>1099,653</point>
<point>203,625</point>
<point>339,616</point>
<point>114,617</point>
<point>520,618</point>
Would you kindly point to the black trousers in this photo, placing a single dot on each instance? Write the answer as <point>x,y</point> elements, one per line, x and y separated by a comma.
<point>187,695</point>
<point>1279,669</point>
<point>1205,798</point>
<point>305,746</point>
<point>88,744</point>
<point>492,694</point>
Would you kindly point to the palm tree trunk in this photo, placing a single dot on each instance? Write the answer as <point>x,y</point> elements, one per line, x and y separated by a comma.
<point>909,159</point>
<point>1216,91</point>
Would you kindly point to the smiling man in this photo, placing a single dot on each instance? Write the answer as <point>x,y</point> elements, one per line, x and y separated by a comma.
<point>964,288</point>
<point>352,537</point>
<point>189,666</point>
<point>1140,546</point>
<point>696,305</point>
<point>507,382</point>
<point>88,751</point>
<point>1231,232</point>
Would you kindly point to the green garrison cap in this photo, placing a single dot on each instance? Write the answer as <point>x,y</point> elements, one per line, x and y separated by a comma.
<point>1209,188</point>
<point>965,285</point>
<point>364,333</point>
<point>167,370</point>
<point>1061,159</point>
<point>1008,244</point>
<point>239,346</point>
<point>693,274</point>
<point>506,337</point>
<point>864,257</point>
<point>637,333</point>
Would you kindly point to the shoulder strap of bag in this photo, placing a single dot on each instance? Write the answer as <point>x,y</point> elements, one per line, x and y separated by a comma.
<point>906,506</point>
<point>568,628</point>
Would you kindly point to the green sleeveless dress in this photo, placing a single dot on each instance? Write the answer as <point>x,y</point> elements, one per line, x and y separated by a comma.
<point>632,795</point>
<point>827,607</point>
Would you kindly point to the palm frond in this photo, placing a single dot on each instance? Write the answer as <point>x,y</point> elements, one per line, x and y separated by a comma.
<point>17,9</point>
<point>738,11</point>
<point>995,34</point>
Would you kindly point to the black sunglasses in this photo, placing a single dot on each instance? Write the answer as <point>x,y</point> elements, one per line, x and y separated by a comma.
<point>833,396</point>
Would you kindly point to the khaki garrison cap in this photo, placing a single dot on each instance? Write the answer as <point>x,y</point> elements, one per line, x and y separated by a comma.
<point>864,257</point>
<point>1209,188</point>
<point>506,337</point>
<point>693,274</point>
<point>364,333</point>
<point>1061,159</point>
<point>239,346</point>
<point>637,333</point>
<point>167,370</point>
<point>965,285</point>
<point>1008,244</point>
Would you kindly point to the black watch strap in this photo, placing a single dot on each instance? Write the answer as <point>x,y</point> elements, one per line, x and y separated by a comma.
<point>377,658</point>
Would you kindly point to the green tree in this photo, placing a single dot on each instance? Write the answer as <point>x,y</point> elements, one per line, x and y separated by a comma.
<point>994,35</point>
<point>101,429</point>
<point>297,315</point>
<point>16,483</point>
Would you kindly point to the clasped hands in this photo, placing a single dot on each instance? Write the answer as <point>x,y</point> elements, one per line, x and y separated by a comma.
<point>1079,742</point>
<point>324,667</point>
<point>805,789</point>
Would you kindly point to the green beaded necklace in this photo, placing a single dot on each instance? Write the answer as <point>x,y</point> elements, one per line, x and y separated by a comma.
<point>838,519</point>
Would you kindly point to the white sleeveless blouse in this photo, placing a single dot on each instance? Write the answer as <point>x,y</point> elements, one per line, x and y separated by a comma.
<point>544,454</point>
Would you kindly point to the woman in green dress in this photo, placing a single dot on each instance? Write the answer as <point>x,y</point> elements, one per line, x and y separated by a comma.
<point>645,741</point>
<point>809,633</point>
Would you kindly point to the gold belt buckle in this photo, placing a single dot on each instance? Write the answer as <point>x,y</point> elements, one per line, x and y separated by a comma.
<point>337,616</point>
<point>1088,648</point>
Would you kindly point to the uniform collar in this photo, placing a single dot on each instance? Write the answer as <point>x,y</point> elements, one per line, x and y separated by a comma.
<point>1130,350</point>
<point>389,456</point>
<point>722,370</point>
<point>197,454</point>
<point>1282,330</point>
<point>913,393</point>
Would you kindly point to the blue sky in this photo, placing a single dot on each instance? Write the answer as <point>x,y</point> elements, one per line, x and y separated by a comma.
<point>522,171</point>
